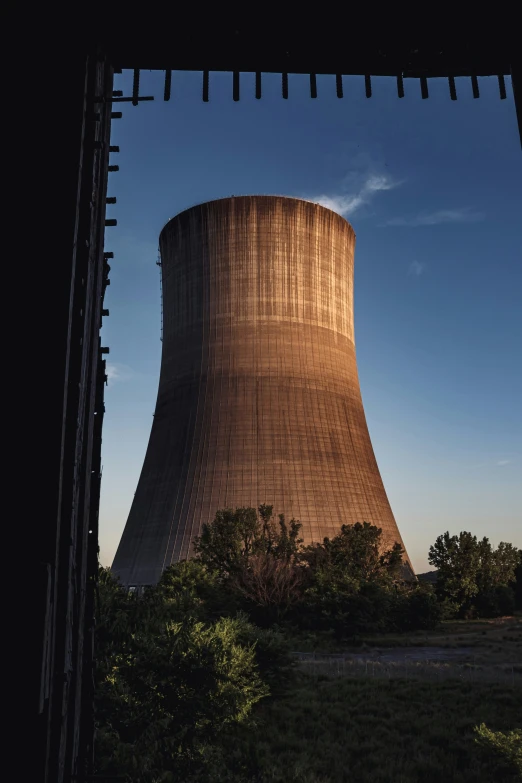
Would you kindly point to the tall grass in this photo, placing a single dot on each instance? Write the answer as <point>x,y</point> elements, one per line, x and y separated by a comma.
<point>371,731</point>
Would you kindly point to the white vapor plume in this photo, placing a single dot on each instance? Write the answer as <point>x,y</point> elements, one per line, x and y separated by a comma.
<point>346,204</point>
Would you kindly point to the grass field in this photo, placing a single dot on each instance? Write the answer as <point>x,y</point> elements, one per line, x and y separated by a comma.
<point>332,727</point>
<point>360,731</point>
<point>485,650</point>
<point>497,641</point>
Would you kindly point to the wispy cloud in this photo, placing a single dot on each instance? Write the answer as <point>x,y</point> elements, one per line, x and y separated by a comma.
<point>347,203</point>
<point>118,373</point>
<point>464,215</point>
<point>501,463</point>
<point>416,268</point>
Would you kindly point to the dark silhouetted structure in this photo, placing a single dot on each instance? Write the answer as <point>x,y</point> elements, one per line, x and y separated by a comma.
<point>259,398</point>
<point>68,110</point>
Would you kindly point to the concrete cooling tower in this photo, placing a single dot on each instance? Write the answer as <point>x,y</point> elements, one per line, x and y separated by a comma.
<point>259,398</point>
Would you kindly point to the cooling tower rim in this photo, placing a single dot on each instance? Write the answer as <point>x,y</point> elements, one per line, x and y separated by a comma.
<point>258,195</point>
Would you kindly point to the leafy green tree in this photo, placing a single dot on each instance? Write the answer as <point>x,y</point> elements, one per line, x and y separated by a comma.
<point>497,566</point>
<point>226,544</point>
<point>116,618</point>
<point>495,602</point>
<point>167,691</point>
<point>472,576</point>
<point>457,560</point>
<point>507,560</point>
<point>191,587</point>
<point>256,560</point>
<point>353,580</point>
<point>418,609</point>
<point>235,536</point>
<point>274,658</point>
<point>357,554</point>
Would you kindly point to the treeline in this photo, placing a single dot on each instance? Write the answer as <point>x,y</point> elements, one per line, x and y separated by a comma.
<point>353,584</point>
<point>346,586</point>
<point>180,667</point>
<point>475,580</point>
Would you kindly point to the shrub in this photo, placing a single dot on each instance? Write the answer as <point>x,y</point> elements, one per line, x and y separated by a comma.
<point>192,587</point>
<point>419,611</point>
<point>497,602</point>
<point>506,745</point>
<point>273,654</point>
<point>167,691</point>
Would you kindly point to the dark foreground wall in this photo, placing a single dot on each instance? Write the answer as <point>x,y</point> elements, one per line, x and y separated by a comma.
<point>259,398</point>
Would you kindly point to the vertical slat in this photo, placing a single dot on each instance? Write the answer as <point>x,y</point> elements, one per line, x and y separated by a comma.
<point>168,81</point>
<point>135,86</point>
<point>368,85</point>
<point>339,84</point>
<point>452,88</point>
<point>284,85</point>
<point>258,85</point>
<point>235,85</point>
<point>205,86</point>
<point>475,87</point>
<point>424,87</point>
<point>502,86</point>
<point>400,86</point>
<point>313,85</point>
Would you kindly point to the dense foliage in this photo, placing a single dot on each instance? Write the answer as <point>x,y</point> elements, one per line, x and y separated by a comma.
<point>169,685</point>
<point>348,585</point>
<point>184,669</point>
<point>473,578</point>
<point>256,561</point>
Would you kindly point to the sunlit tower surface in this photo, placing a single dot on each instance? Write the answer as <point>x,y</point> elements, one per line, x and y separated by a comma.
<point>259,398</point>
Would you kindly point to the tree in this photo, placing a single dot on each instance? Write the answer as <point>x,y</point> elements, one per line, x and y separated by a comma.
<point>256,560</point>
<point>191,587</point>
<point>497,601</point>
<point>270,587</point>
<point>472,575</point>
<point>507,559</point>
<point>167,691</point>
<point>352,582</point>
<point>418,609</point>
<point>357,553</point>
<point>235,536</point>
<point>226,544</point>
<point>497,566</point>
<point>457,561</point>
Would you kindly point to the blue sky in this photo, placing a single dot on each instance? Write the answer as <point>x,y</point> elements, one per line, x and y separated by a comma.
<point>433,191</point>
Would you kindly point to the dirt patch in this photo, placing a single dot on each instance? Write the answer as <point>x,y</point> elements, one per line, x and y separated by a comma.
<point>395,654</point>
<point>414,654</point>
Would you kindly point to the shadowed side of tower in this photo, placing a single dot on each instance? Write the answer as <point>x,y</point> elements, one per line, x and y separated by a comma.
<point>259,398</point>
